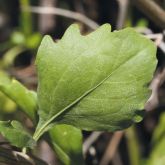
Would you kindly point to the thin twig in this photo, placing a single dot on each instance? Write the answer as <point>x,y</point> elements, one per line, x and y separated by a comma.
<point>112,147</point>
<point>152,10</point>
<point>62,12</point>
<point>90,140</point>
<point>117,159</point>
<point>158,80</point>
<point>46,22</point>
<point>157,37</point>
<point>123,9</point>
<point>25,156</point>
<point>143,30</point>
<point>162,46</point>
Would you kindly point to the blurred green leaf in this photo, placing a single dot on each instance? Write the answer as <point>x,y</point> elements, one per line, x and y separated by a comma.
<point>6,104</point>
<point>15,134</point>
<point>24,98</point>
<point>67,143</point>
<point>33,41</point>
<point>94,82</point>
<point>157,156</point>
<point>10,55</point>
<point>18,38</point>
<point>142,23</point>
<point>159,132</point>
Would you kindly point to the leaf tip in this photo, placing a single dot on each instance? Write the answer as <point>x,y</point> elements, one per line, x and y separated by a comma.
<point>72,31</point>
<point>106,26</point>
<point>74,27</point>
<point>46,40</point>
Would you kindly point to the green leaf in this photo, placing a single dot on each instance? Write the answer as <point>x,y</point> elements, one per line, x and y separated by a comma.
<point>94,82</point>
<point>25,98</point>
<point>15,134</point>
<point>67,143</point>
<point>6,104</point>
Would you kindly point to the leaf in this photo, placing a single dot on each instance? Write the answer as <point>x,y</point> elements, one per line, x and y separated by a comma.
<point>25,98</point>
<point>94,82</point>
<point>6,104</point>
<point>15,134</point>
<point>67,143</point>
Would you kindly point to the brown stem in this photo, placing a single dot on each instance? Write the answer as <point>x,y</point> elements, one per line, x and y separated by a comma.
<point>152,10</point>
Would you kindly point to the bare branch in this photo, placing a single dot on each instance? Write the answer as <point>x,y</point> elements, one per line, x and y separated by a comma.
<point>90,140</point>
<point>62,12</point>
<point>123,9</point>
<point>157,37</point>
<point>46,22</point>
<point>117,159</point>
<point>112,147</point>
<point>152,10</point>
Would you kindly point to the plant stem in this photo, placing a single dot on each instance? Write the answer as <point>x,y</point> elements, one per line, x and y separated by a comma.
<point>133,146</point>
<point>25,18</point>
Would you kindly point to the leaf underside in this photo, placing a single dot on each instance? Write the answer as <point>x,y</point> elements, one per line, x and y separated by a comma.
<point>94,82</point>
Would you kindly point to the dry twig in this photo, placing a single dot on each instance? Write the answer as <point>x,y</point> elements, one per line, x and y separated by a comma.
<point>46,22</point>
<point>117,159</point>
<point>90,140</point>
<point>152,10</point>
<point>112,147</point>
<point>123,9</point>
<point>157,37</point>
<point>8,156</point>
<point>62,12</point>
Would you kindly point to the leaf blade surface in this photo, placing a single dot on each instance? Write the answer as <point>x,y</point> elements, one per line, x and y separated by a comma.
<point>104,73</point>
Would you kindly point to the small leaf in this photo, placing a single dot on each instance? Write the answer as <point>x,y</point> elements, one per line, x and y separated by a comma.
<point>25,98</point>
<point>94,82</point>
<point>15,134</point>
<point>67,143</point>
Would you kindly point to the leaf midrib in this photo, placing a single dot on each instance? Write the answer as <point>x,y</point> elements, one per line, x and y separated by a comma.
<point>41,130</point>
